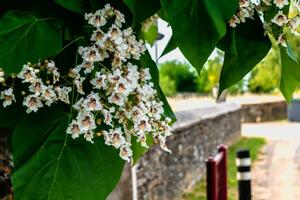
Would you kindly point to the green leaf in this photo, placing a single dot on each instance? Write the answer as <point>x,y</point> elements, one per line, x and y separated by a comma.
<point>290,73</point>
<point>198,25</point>
<point>73,5</point>
<point>51,165</point>
<point>142,9</point>
<point>26,38</point>
<point>243,51</point>
<point>9,116</point>
<point>137,149</point>
<point>170,46</point>
<point>149,33</point>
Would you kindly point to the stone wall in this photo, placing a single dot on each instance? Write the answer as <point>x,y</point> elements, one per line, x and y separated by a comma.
<point>262,112</point>
<point>161,176</point>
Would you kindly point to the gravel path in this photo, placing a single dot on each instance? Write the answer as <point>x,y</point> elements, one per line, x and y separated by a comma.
<point>276,175</point>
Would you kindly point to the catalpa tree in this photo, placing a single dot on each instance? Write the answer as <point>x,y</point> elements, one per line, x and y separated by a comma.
<point>80,93</point>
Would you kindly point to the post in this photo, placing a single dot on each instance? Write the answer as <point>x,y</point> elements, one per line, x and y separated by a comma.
<point>243,163</point>
<point>211,180</point>
<point>223,173</point>
<point>134,183</point>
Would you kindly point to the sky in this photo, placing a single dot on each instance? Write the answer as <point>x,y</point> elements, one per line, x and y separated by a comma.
<point>173,55</point>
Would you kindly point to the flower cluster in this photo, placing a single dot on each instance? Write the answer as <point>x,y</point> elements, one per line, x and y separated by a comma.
<point>122,102</point>
<point>273,23</point>
<point>245,10</point>
<point>39,92</point>
<point>113,98</point>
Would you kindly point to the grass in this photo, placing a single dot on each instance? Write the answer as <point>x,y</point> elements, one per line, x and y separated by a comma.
<point>253,144</point>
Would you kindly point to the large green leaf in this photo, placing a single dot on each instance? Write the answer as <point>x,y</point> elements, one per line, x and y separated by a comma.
<point>51,165</point>
<point>198,25</point>
<point>290,73</point>
<point>170,46</point>
<point>9,116</point>
<point>26,38</point>
<point>73,5</point>
<point>142,9</point>
<point>245,46</point>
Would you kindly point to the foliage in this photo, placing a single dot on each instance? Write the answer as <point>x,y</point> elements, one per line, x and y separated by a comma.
<point>182,74</point>
<point>266,75</point>
<point>167,85</point>
<point>53,29</point>
<point>254,145</point>
<point>210,74</point>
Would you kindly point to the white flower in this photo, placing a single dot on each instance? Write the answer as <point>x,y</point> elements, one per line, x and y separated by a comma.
<point>79,104</point>
<point>37,86</point>
<point>27,74</point>
<point>119,18</point>
<point>244,3</point>
<point>96,19</point>
<point>115,76</point>
<point>79,84</point>
<point>90,54</point>
<point>282,40</point>
<point>100,81</point>
<point>87,66</point>
<point>92,102</point>
<point>156,109</point>
<point>117,99</point>
<point>162,141</point>
<point>145,74</point>
<point>50,66</point>
<point>142,125</point>
<point>126,152</point>
<point>234,21</point>
<point>97,36</point>
<point>74,129</point>
<point>86,121</point>
<point>294,24</point>
<point>280,19</point>
<point>136,113</point>
<point>123,87</point>
<point>49,95</point>
<point>2,79</point>
<point>33,103</point>
<point>281,3</point>
<point>143,140</point>
<point>115,34</point>
<point>115,138</point>
<point>88,136</point>
<point>8,97</point>
<point>63,93</point>
<point>107,117</point>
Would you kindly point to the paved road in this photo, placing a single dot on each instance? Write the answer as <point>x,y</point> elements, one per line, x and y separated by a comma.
<point>276,175</point>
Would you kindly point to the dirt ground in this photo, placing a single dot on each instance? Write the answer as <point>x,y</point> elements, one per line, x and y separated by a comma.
<point>276,175</point>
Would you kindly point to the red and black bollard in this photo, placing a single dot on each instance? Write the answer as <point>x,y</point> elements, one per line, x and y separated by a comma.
<point>217,175</point>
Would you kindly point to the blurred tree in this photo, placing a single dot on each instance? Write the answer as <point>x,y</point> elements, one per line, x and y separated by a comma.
<point>167,85</point>
<point>266,75</point>
<point>183,75</point>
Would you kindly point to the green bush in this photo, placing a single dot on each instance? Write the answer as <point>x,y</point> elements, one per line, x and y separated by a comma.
<point>167,85</point>
<point>182,74</point>
<point>209,76</point>
<point>266,75</point>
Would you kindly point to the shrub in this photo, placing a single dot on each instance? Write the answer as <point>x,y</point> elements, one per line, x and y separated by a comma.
<point>167,85</point>
<point>182,74</point>
<point>266,75</point>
